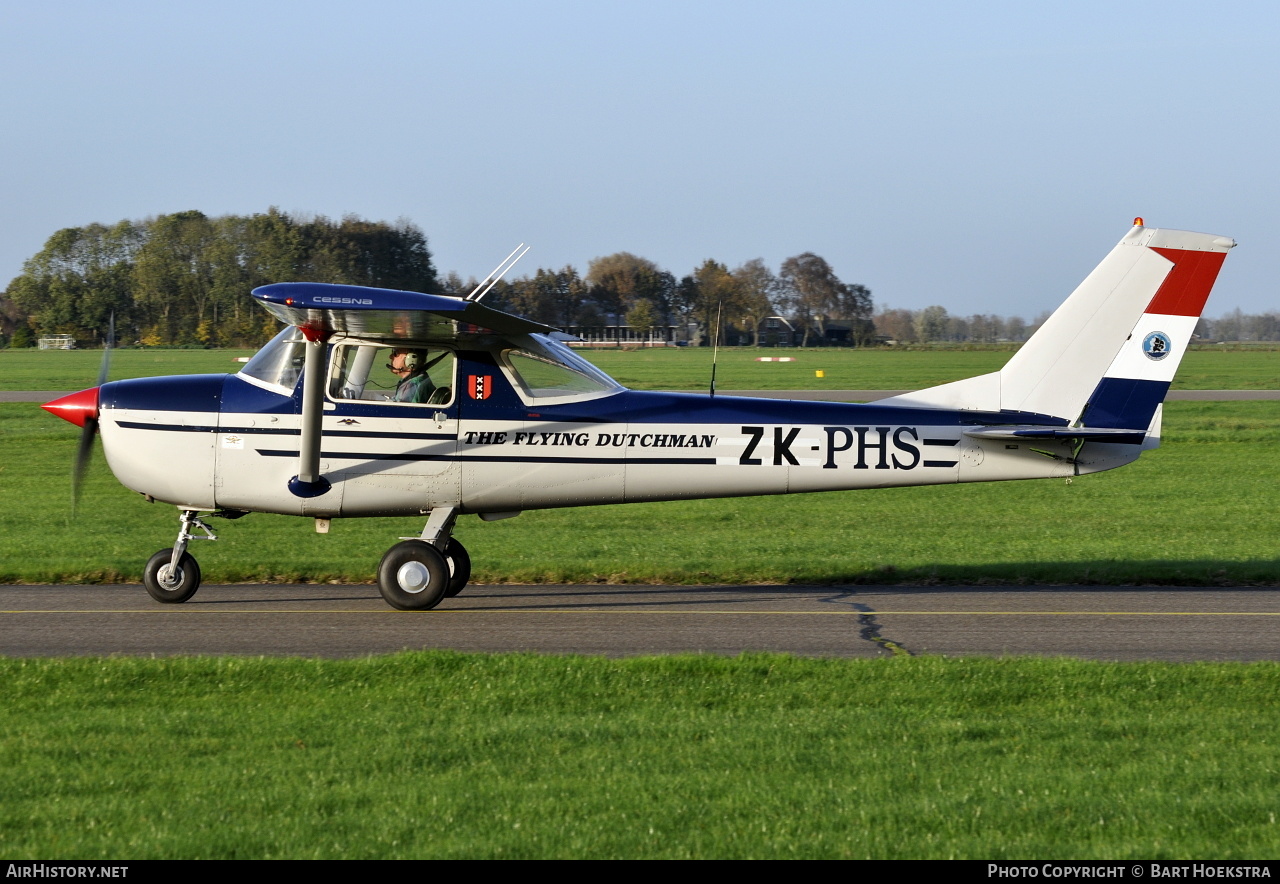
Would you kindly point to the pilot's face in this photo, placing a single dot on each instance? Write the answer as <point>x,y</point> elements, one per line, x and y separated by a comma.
<point>397,362</point>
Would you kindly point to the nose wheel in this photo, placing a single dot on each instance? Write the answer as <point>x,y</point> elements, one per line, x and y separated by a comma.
<point>168,582</point>
<point>172,575</point>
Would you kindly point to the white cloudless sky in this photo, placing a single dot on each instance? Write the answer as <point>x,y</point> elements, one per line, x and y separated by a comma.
<point>981,156</point>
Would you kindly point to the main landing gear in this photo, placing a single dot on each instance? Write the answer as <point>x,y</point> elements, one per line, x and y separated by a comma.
<point>420,572</point>
<point>414,575</point>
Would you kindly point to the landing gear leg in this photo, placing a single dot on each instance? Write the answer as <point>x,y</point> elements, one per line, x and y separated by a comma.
<point>172,575</point>
<point>439,533</point>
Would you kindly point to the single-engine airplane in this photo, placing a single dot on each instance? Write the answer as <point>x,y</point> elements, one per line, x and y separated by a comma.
<point>489,414</point>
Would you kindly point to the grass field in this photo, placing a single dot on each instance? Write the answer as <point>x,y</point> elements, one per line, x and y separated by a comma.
<point>427,755</point>
<point>673,369</point>
<point>444,755</point>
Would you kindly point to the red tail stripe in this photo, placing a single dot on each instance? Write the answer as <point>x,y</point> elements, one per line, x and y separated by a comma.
<point>1187,286</point>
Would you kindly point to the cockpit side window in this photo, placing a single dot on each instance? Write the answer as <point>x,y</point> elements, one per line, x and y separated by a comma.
<point>405,374</point>
<point>279,363</point>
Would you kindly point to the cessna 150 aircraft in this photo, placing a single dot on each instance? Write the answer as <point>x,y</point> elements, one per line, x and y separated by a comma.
<point>490,414</point>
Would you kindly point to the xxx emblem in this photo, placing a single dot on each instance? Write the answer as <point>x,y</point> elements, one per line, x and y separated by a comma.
<point>479,386</point>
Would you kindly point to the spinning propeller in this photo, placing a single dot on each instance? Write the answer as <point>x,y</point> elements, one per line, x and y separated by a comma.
<point>81,409</point>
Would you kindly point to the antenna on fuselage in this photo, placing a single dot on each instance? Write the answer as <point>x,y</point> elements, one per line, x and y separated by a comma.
<point>715,348</point>
<point>492,279</point>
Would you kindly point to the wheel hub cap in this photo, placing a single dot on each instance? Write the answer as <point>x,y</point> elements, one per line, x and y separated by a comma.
<point>413,577</point>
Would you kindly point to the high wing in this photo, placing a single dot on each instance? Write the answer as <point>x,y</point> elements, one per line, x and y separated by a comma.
<point>323,310</point>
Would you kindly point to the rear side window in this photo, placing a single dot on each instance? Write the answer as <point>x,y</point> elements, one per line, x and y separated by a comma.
<point>548,370</point>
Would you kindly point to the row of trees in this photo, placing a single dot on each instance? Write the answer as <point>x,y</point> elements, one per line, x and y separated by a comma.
<point>182,278</point>
<point>935,324</point>
<point>624,289</point>
<point>1239,326</point>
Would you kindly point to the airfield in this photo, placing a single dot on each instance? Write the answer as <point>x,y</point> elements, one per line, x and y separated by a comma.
<point>1060,708</point>
<point>1168,620</point>
<point>1107,622</point>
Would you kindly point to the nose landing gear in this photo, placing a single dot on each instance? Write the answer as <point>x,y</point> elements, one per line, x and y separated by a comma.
<point>172,575</point>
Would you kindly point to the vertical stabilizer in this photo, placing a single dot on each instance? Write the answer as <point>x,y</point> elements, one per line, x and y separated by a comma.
<point>1106,357</point>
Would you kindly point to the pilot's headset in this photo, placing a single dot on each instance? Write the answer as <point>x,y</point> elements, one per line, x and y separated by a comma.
<point>413,360</point>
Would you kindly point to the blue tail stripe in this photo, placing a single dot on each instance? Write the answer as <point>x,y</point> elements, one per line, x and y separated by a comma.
<point>1124,403</point>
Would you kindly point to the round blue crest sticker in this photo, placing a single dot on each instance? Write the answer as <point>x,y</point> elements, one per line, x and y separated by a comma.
<point>1156,345</point>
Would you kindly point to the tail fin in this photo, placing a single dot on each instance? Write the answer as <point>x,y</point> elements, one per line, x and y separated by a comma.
<point>1106,357</point>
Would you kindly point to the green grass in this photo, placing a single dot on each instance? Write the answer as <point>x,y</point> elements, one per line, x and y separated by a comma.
<point>446,755</point>
<point>1199,511</point>
<point>884,369</point>
<point>681,368</point>
<point>71,370</point>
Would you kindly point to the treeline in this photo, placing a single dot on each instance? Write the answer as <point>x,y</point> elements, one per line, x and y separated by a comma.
<point>182,279</point>
<point>625,290</point>
<point>935,324</point>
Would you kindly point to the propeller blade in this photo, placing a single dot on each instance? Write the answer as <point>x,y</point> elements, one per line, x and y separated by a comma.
<point>82,409</point>
<point>83,452</point>
<point>106,352</point>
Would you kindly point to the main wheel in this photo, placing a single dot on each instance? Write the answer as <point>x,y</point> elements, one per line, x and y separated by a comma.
<point>455,554</point>
<point>171,585</point>
<point>413,576</point>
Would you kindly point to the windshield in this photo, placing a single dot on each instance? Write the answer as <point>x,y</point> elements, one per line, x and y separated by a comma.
<point>280,362</point>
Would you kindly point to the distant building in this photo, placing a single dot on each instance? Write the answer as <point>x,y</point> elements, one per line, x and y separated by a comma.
<point>57,342</point>
<point>623,335</point>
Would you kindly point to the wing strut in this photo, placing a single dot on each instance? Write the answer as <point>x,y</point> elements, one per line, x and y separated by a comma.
<point>309,482</point>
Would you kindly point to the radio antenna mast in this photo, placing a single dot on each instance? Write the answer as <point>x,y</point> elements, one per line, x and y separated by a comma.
<point>498,272</point>
<point>715,348</point>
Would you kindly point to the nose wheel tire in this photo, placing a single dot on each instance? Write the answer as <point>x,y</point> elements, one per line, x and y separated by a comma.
<point>171,585</point>
<point>413,576</point>
<point>455,554</point>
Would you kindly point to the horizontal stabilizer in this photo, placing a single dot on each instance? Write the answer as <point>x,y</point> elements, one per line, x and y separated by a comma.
<point>1088,434</point>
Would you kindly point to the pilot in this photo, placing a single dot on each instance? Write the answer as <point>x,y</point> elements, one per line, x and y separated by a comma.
<point>410,366</point>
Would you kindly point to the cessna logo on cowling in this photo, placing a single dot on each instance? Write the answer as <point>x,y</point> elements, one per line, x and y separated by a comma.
<point>359,302</point>
<point>479,386</point>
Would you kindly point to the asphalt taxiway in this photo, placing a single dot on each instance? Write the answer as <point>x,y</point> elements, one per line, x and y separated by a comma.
<point>1103,623</point>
